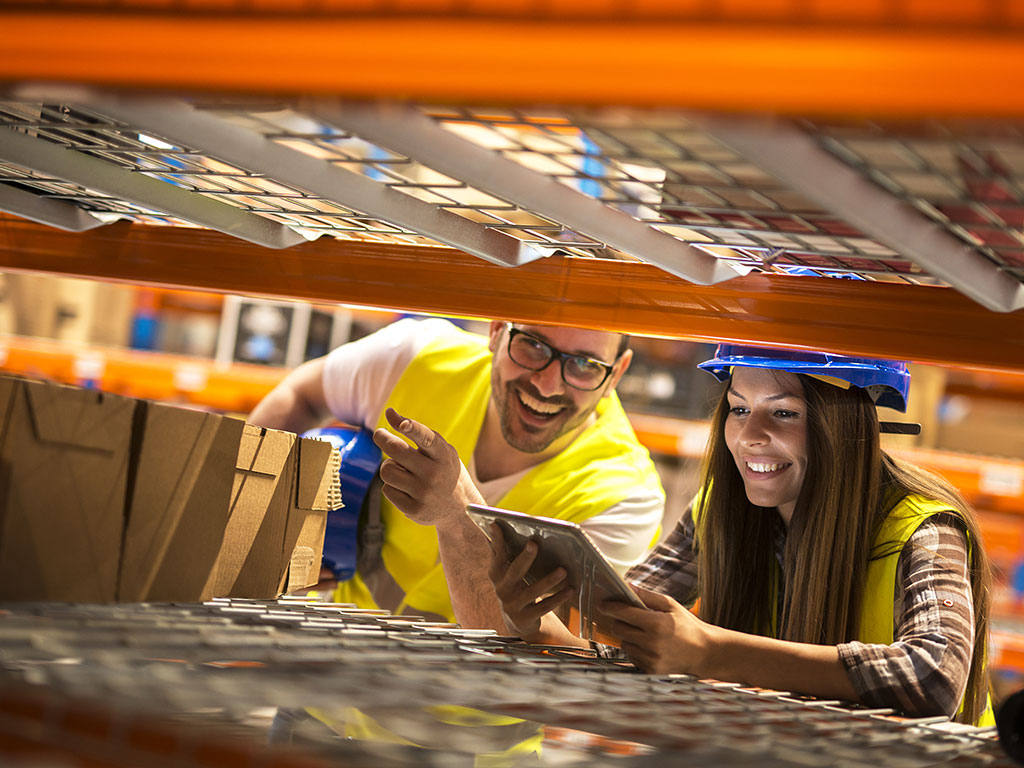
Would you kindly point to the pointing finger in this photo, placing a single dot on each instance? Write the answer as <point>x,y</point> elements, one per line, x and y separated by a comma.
<point>392,445</point>
<point>426,439</point>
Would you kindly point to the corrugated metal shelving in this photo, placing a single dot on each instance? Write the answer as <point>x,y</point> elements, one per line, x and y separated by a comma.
<point>848,176</point>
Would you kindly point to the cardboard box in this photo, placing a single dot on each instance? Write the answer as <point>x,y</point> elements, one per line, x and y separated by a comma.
<point>283,489</point>
<point>251,561</point>
<point>179,503</point>
<point>318,490</point>
<point>105,498</point>
<point>64,469</point>
<point>65,308</point>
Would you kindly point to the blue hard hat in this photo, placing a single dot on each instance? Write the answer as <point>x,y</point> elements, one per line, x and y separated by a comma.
<point>887,382</point>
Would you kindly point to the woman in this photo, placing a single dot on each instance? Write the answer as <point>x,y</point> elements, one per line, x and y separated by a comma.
<point>822,564</point>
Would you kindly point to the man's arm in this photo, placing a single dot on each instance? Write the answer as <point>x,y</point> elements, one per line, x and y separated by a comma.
<point>297,403</point>
<point>429,484</point>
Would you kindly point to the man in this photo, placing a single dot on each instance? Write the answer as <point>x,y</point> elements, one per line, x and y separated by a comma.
<point>525,418</point>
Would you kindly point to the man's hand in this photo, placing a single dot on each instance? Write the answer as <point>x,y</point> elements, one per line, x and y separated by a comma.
<point>524,605</point>
<point>664,638</point>
<point>427,481</point>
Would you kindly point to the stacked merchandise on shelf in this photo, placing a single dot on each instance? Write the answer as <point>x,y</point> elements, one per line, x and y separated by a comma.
<point>110,499</point>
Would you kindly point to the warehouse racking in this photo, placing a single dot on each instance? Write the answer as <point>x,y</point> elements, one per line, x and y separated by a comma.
<point>808,174</point>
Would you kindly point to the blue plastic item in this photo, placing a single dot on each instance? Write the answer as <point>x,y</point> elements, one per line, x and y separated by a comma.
<point>360,458</point>
<point>886,381</point>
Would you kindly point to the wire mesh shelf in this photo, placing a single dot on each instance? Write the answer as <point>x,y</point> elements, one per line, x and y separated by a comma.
<point>446,693</point>
<point>663,171</point>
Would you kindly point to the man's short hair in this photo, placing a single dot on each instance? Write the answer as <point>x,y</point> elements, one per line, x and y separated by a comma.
<point>623,345</point>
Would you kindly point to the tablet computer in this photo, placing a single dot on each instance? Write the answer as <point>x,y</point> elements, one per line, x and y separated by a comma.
<point>560,544</point>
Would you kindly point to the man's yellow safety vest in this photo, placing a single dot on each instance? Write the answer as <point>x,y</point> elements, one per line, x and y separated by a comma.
<point>447,387</point>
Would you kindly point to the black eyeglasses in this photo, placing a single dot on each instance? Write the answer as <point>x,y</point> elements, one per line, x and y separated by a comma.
<point>578,371</point>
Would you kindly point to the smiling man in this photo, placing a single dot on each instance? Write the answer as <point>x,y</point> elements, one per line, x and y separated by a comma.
<point>525,418</point>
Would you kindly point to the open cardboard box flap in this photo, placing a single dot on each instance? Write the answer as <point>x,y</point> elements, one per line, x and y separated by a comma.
<point>64,466</point>
<point>250,562</point>
<point>81,418</point>
<point>318,490</point>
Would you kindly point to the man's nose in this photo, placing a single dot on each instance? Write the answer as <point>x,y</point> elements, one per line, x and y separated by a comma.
<point>549,380</point>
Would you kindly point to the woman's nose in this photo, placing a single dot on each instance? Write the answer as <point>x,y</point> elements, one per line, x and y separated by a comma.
<point>754,431</point>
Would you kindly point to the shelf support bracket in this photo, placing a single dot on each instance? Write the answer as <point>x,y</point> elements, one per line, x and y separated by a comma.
<point>45,210</point>
<point>410,132</point>
<point>183,124</point>
<point>56,160</point>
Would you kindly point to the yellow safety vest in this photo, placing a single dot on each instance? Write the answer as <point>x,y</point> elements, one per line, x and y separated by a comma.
<point>876,614</point>
<point>447,387</point>
<point>877,606</point>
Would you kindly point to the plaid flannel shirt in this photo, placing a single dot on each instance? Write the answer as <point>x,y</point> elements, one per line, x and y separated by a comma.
<point>924,671</point>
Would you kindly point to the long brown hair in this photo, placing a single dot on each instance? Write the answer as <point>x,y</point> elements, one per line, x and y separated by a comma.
<point>849,487</point>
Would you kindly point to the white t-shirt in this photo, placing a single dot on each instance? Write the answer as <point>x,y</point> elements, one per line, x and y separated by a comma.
<point>359,377</point>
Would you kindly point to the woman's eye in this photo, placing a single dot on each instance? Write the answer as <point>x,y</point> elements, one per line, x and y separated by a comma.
<point>783,414</point>
<point>737,410</point>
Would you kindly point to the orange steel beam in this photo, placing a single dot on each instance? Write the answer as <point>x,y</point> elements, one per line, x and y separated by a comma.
<point>925,324</point>
<point>937,63</point>
<point>883,12</point>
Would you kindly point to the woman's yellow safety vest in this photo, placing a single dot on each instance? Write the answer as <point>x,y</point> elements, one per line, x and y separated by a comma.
<point>878,606</point>
<point>447,386</point>
<point>876,614</point>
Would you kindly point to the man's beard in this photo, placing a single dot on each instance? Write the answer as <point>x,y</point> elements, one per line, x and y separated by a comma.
<point>530,438</point>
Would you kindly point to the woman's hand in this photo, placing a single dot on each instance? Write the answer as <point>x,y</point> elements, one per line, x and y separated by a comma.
<point>526,606</point>
<point>663,639</point>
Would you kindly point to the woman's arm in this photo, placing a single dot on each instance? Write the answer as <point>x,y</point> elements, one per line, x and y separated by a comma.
<point>671,567</point>
<point>668,639</point>
<point>924,672</point>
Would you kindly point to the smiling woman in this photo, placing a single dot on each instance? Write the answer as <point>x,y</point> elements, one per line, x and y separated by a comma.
<point>822,564</point>
<point>766,433</point>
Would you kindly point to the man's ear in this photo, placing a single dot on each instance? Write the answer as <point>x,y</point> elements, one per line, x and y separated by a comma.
<point>497,326</point>
<point>620,368</point>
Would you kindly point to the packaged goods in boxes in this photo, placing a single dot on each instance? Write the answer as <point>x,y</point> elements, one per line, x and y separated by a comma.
<point>105,499</point>
<point>64,465</point>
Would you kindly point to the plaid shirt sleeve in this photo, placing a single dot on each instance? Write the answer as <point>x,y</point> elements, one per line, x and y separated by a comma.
<point>671,567</point>
<point>924,671</point>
